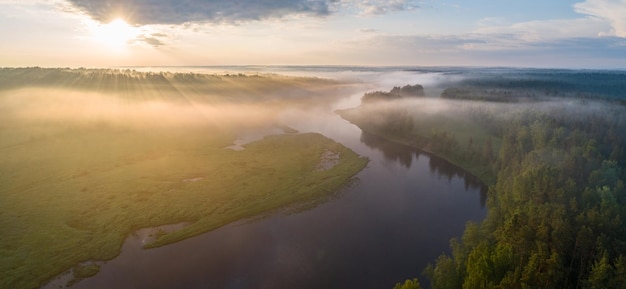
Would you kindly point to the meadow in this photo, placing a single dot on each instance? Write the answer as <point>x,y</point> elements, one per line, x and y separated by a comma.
<point>86,163</point>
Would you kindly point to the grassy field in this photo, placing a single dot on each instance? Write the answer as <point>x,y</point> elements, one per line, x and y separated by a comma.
<point>81,171</point>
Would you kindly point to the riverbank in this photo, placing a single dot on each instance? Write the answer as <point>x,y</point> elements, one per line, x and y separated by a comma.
<point>292,184</point>
<point>91,224</point>
<point>418,141</point>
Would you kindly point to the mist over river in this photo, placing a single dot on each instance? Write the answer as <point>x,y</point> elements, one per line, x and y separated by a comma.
<point>397,216</point>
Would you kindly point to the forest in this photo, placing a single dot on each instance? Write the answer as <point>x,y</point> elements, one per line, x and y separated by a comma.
<point>555,169</point>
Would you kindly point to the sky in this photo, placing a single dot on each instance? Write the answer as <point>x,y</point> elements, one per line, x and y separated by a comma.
<point>516,33</point>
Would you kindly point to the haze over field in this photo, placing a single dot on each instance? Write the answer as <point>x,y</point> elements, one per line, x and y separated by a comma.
<point>157,142</point>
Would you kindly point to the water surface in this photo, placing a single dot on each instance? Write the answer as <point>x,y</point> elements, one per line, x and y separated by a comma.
<point>397,217</point>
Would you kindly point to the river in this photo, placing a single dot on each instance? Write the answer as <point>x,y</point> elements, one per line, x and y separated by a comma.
<point>396,217</point>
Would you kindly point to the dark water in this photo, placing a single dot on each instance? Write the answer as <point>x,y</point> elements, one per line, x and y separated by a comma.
<point>397,217</point>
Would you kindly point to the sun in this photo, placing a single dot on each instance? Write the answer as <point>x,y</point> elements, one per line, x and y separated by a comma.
<point>116,34</point>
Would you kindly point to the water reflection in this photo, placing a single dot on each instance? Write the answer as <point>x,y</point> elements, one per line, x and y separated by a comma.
<point>402,154</point>
<point>391,151</point>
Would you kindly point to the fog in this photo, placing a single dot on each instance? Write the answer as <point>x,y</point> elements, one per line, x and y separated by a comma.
<point>57,105</point>
<point>255,95</point>
<point>137,99</point>
<point>368,78</point>
<point>567,108</point>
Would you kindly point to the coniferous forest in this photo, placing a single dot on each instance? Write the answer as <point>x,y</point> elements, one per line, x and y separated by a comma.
<point>556,211</point>
<point>556,200</point>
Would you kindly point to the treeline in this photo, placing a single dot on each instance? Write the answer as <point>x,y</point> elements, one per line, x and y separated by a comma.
<point>395,93</point>
<point>495,95</point>
<point>133,84</point>
<point>588,83</point>
<point>557,208</point>
<point>403,154</point>
<point>411,124</point>
<point>96,79</point>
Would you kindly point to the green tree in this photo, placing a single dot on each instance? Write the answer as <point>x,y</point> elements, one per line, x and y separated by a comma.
<point>408,284</point>
<point>488,150</point>
<point>444,274</point>
<point>600,275</point>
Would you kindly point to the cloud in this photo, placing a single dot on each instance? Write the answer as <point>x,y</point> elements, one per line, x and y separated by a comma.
<point>514,44</point>
<point>490,49</point>
<point>143,12</point>
<point>544,29</point>
<point>380,7</point>
<point>612,11</point>
<point>152,40</point>
<point>368,30</point>
<point>602,47</point>
<point>423,44</point>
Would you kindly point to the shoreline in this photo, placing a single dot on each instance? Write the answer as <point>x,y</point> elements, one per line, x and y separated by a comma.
<point>486,180</point>
<point>345,170</point>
